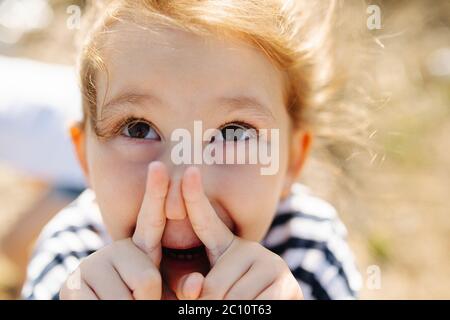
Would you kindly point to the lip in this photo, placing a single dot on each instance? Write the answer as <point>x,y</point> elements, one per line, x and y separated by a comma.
<point>179,234</point>
<point>181,246</point>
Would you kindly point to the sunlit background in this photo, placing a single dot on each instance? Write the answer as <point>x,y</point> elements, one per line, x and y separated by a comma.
<point>394,196</point>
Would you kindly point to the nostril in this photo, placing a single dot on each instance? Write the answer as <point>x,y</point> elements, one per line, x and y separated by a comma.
<point>174,207</point>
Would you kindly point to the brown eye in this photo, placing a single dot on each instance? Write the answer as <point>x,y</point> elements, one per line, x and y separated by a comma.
<point>235,132</point>
<point>140,130</point>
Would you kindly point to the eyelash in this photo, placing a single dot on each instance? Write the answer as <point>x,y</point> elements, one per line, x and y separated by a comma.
<point>118,127</point>
<point>240,123</point>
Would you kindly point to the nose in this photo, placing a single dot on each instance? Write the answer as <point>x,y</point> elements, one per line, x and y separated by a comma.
<point>174,207</point>
<point>178,232</point>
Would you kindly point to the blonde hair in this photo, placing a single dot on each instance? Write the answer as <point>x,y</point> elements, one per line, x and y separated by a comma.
<point>289,32</point>
<point>296,35</point>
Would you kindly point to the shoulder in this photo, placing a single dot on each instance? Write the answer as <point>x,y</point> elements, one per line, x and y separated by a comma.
<point>74,233</point>
<point>308,234</point>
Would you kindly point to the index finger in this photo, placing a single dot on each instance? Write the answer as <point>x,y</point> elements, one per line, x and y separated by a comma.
<point>151,219</point>
<point>207,225</point>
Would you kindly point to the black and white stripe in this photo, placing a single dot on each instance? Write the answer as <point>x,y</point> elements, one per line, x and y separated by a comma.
<point>306,232</point>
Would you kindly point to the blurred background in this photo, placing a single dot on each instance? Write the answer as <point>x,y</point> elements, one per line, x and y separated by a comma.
<point>393,195</point>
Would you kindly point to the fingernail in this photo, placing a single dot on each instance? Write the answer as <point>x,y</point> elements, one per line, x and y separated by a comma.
<point>192,285</point>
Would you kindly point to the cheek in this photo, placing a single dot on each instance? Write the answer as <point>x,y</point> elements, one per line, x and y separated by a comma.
<point>247,197</point>
<point>119,185</point>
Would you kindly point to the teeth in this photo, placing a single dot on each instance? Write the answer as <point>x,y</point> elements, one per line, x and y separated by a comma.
<point>184,256</point>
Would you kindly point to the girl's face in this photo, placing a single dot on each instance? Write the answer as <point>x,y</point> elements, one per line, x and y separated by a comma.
<point>166,80</point>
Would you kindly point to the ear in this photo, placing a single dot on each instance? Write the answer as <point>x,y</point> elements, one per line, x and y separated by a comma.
<point>299,151</point>
<point>78,136</point>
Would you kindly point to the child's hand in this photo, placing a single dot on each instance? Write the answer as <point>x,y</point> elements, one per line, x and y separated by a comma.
<point>129,268</point>
<point>241,269</point>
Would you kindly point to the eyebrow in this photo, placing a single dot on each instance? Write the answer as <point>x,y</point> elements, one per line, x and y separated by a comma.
<point>246,102</point>
<point>133,98</point>
<point>238,102</point>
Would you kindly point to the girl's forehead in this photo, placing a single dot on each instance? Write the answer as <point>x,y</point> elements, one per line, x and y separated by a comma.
<point>174,61</point>
<point>167,41</point>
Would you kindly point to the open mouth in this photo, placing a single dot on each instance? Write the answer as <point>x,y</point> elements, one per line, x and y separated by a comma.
<point>178,262</point>
<point>185,254</point>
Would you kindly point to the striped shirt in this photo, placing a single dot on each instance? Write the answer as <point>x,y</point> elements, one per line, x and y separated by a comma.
<point>306,232</point>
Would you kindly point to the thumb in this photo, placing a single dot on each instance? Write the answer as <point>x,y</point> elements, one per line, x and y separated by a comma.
<point>189,286</point>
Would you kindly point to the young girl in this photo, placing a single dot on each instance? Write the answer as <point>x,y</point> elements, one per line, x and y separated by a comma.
<point>149,228</point>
